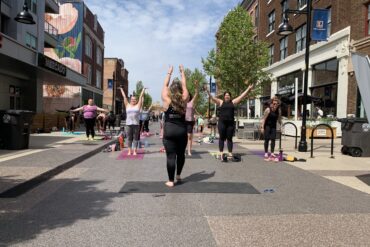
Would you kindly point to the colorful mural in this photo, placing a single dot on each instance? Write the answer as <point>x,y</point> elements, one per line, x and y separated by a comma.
<point>69,23</point>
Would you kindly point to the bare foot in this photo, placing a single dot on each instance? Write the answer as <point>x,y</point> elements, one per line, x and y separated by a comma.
<point>129,152</point>
<point>170,184</point>
<point>189,153</point>
<point>135,153</point>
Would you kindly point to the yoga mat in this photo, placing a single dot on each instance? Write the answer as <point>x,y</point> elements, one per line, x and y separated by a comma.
<point>123,155</point>
<point>189,187</point>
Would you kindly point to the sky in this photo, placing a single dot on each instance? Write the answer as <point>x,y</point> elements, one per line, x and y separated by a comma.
<point>150,35</point>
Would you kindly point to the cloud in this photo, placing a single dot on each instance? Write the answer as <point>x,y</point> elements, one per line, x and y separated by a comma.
<point>149,35</point>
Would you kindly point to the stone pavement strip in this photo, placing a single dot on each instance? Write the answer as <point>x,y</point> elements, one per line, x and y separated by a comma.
<point>83,206</point>
<point>48,155</point>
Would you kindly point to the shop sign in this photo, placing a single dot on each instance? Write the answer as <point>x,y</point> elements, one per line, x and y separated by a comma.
<point>52,65</point>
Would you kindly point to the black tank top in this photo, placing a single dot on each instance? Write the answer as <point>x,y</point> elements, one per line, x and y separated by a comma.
<point>272,118</point>
<point>173,116</point>
<point>227,111</point>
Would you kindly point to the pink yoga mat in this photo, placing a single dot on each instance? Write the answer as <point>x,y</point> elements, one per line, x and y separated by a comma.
<point>123,155</point>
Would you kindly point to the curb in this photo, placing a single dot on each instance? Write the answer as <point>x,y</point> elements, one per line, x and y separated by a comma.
<point>28,185</point>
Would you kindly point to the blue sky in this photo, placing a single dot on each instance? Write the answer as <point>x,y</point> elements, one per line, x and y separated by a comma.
<point>149,35</point>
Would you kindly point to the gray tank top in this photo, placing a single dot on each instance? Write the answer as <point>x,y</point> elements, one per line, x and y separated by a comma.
<point>133,114</point>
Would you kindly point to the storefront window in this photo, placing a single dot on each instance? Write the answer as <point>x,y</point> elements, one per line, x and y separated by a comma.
<point>325,86</point>
<point>286,91</point>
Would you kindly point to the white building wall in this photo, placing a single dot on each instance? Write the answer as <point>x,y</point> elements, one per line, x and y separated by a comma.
<point>336,47</point>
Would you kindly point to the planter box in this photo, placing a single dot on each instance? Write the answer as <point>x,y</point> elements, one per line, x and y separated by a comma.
<point>321,132</point>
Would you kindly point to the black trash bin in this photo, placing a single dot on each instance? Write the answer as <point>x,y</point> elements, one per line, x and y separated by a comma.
<point>15,126</point>
<point>355,137</point>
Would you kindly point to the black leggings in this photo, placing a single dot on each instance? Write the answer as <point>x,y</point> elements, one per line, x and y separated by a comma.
<point>269,134</point>
<point>89,124</point>
<point>175,140</point>
<point>226,131</point>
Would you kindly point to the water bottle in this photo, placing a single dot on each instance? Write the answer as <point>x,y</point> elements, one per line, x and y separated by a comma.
<point>280,155</point>
<point>63,129</point>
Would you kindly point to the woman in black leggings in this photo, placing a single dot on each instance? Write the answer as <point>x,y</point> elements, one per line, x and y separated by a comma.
<point>226,118</point>
<point>270,118</point>
<point>175,137</point>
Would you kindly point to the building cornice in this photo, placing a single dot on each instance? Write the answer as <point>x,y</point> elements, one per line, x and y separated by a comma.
<point>339,42</point>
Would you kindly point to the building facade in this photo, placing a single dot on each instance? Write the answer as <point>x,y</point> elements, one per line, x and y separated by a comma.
<point>115,76</point>
<point>23,67</point>
<point>330,72</point>
<point>80,47</point>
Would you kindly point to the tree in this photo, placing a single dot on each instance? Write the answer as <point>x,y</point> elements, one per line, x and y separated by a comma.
<point>201,103</point>
<point>238,57</point>
<point>147,98</point>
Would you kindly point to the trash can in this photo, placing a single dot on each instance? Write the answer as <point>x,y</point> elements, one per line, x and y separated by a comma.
<point>15,128</point>
<point>355,137</point>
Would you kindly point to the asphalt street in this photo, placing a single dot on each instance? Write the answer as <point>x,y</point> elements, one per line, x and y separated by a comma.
<point>281,205</point>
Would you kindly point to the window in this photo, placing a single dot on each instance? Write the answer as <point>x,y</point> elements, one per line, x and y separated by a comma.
<point>32,5</point>
<point>329,22</point>
<point>256,17</point>
<point>271,55</point>
<point>88,47</point>
<point>88,73</point>
<point>271,17</point>
<point>98,79</point>
<point>300,38</point>
<point>284,7</point>
<point>31,41</point>
<point>283,48</point>
<point>368,19</point>
<point>95,22</point>
<point>99,56</point>
<point>302,4</point>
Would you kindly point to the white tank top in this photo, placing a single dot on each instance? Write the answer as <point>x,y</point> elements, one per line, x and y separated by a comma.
<point>133,114</point>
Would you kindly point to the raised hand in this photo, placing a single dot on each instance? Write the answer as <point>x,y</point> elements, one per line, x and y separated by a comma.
<point>250,87</point>
<point>170,70</point>
<point>181,67</point>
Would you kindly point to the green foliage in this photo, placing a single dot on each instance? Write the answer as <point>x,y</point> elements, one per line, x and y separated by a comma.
<point>201,103</point>
<point>147,98</point>
<point>238,57</point>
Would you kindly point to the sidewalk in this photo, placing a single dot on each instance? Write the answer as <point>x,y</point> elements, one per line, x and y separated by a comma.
<point>48,155</point>
<point>343,169</point>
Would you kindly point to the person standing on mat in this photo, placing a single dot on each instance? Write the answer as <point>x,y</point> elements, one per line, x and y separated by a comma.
<point>175,137</point>
<point>189,117</point>
<point>89,115</point>
<point>226,119</point>
<point>144,120</point>
<point>271,116</point>
<point>132,119</point>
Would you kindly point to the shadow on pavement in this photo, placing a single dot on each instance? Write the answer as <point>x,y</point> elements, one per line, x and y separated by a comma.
<point>26,217</point>
<point>199,176</point>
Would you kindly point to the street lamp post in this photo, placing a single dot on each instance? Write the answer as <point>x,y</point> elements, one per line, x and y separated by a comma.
<point>209,99</point>
<point>285,30</point>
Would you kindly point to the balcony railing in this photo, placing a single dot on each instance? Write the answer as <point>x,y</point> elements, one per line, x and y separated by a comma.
<point>50,29</point>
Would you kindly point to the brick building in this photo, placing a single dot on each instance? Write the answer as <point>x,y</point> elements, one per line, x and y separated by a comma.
<point>115,76</point>
<point>330,72</point>
<point>93,57</point>
<point>80,47</point>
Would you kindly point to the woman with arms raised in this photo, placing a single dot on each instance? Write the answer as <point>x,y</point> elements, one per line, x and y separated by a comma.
<point>174,99</point>
<point>226,118</point>
<point>132,119</point>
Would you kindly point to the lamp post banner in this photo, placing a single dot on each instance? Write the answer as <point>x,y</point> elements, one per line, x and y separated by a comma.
<point>213,87</point>
<point>320,25</point>
<point>110,83</point>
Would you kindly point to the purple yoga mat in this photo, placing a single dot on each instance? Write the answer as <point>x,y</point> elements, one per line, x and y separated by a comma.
<point>123,155</point>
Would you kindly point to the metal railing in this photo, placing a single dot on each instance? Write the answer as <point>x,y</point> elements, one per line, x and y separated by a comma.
<point>50,29</point>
